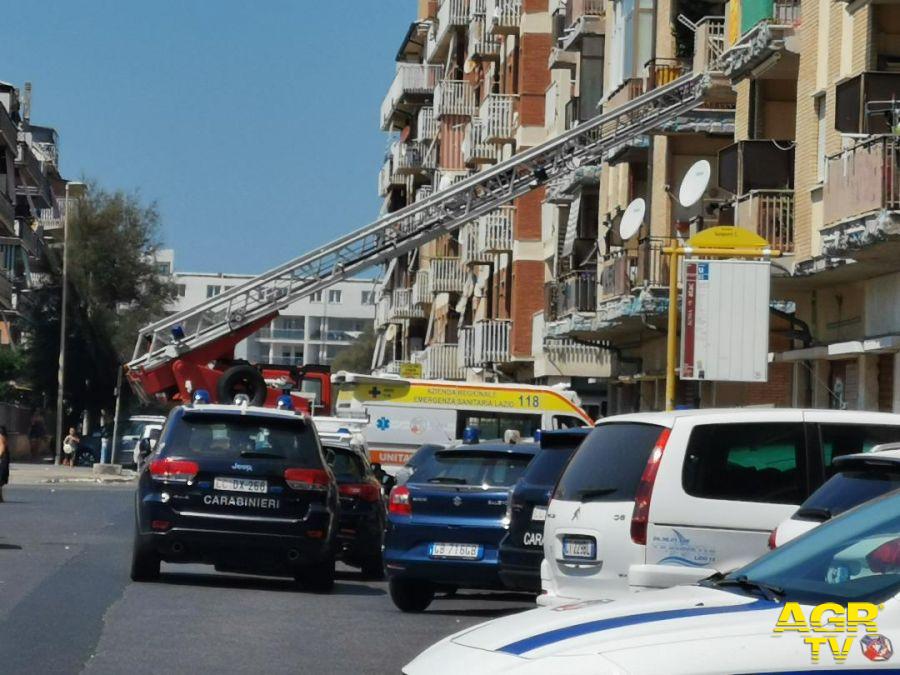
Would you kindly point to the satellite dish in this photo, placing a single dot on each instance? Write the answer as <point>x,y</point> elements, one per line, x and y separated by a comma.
<point>695,183</point>
<point>469,66</point>
<point>632,219</point>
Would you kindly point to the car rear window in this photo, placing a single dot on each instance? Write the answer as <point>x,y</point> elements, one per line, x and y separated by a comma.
<point>242,437</point>
<point>346,465</point>
<point>609,463</point>
<point>751,462</point>
<point>848,489</point>
<point>466,467</point>
<point>547,466</point>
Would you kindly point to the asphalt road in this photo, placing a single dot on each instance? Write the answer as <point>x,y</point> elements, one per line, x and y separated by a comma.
<point>68,606</point>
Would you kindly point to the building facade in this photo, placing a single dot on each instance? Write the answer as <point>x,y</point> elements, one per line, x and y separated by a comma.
<point>800,126</point>
<point>312,330</point>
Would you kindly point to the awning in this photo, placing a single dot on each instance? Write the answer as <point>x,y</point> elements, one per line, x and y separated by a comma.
<point>572,225</point>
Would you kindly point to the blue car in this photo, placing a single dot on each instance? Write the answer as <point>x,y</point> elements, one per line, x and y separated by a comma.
<point>522,549</point>
<point>445,525</point>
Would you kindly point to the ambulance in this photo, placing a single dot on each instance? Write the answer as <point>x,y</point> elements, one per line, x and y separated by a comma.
<point>403,414</point>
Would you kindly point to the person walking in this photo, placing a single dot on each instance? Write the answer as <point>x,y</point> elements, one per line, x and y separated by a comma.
<point>70,447</point>
<point>4,460</point>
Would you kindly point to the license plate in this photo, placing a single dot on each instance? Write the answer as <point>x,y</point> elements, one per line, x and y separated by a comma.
<point>461,551</point>
<point>580,548</point>
<point>240,485</point>
<point>539,513</point>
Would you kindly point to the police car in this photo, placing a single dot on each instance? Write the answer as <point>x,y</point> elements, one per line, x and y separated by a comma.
<point>824,602</point>
<point>243,488</point>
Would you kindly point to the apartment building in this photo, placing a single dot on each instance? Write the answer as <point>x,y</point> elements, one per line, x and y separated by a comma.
<point>31,208</point>
<point>312,330</point>
<point>800,125</point>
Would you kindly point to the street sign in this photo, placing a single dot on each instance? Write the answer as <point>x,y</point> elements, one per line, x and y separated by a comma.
<point>411,370</point>
<point>725,320</point>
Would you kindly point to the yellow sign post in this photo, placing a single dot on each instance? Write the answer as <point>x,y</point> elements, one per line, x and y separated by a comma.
<point>724,241</point>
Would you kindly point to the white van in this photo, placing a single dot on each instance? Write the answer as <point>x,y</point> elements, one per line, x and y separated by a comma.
<point>401,414</point>
<point>651,500</point>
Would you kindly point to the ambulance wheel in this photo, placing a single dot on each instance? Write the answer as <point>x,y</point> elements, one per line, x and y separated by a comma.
<point>242,379</point>
<point>411,596</point>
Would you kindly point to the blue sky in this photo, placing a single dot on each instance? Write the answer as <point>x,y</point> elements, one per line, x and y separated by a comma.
<point>253,125</point>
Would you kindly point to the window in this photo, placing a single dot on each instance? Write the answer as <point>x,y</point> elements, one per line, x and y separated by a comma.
<point>334,296</point>
<point>346,465</point>
<point>762,462</point>
<point>368,297</point>
<point>213,291</point>
<point>182,290</point>
<point>546,468</point>
<point>164,269</point>
<point>609,463</point>
<point>493,425</point>
<point>472,467</point>
<point>820,141</point>
<point>567,422</point>
<point>847,439</point>
<point>316,297</point>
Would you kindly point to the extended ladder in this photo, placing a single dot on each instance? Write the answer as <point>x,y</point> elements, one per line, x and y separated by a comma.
<point>401,231</point>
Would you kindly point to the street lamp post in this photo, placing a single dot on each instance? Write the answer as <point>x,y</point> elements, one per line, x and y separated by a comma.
<point>61,375</point>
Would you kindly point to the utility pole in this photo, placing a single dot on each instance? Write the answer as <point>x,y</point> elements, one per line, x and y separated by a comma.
<point>115,433</point>
<point>61,374</point>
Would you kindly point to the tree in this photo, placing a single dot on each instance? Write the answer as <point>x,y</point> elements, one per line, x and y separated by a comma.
<point>357,358</point>
<point>12,371</point>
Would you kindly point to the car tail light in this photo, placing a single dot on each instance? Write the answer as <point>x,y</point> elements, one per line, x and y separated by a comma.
<point>175,470</point>
<point>886,558</point>
<point>773,535</point>
<point>641,514</point>
<point>400,503</point>
<point>307,479</point>
<point>367,492</point>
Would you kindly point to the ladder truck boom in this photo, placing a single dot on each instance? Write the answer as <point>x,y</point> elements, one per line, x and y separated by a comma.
<point>195,347</point>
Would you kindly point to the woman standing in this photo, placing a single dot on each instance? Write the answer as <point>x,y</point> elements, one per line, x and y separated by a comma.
<point>70,447</point>
<point>4,460</point>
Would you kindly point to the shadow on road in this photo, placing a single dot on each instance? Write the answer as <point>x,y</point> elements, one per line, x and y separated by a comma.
<point>274,584</point>
<point>10,547</point>
<point>527,602</point>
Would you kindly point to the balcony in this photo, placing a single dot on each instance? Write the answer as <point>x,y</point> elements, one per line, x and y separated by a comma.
<point>408,158</point>
<point>451,14</point>
<point>389,178</point>
<point>485,342</point>
<point>860,102</point>
<point>659,72</point>
<point>862,195</point>
<point>763,164</point>
<point>709,44</point>
<point>498,118</point>
<point>426,125</point>
<point>481,44</point>
<point>625,270</point>
<point>446,275</point>
<point>454,97</point>
<point>421,289</point>
<point>504,16</point>
<point>576,292</point>
<point>6,290</point>
<point>284,335</point>
<point>475,149</point>
<point>51,225</point>
<point>7,213</point>
<point>770,49</point>
<point>629,90</point>
<point>383,311</point>
<point>9,133</point>
<point>413,86</point>
<point>403,307</point>
<point>31,240</point>
<point>488,236</point>
<point>441,362</point>
<point>582,17</point>
<point>468,245</point>
<point>769,213</point>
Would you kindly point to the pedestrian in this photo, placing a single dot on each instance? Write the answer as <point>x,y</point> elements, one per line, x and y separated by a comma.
<point>4,460</point>
<point>70,447</point>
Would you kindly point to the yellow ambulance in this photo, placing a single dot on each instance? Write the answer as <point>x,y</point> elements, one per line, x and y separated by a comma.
<point>401,414</point>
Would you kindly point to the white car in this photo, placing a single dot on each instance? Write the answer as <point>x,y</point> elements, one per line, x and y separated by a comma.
<point>652,500</point>
<point>858,478</point>
<point>726,624</point>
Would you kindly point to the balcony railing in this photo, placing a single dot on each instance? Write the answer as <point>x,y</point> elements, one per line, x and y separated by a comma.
<point>451,14</point>
<point>413,81</point>
<point>284,334</point>
<point>786,12</point>
<point>388,178</point>
<point>759,164</point>
<point>860,102</point>
<point>446,275</point>
<point>659,72</point>
<point>628,91</point>
<point>769,213</point>
<point>403,307</point>
<point>577,292</point>
<point>8,131</point>
<point>31,240</point>
<point>441,362</point>
<point>504,16</point>
<point>469,254</point>
<point>50,224</point>
<point>863,179</point>
<point>421,288</point>
<point>454,97</point>
<point>485,342</point>
<point>481,44</point>
<point>624,270</point>
<point>709,43</point>
<point>498,117</point>
<point>408,158</point>
<point>426,124</point>
<point>575,9</point>
<point>7,212</point>
<point>475,149</point>
<point>495,230</point>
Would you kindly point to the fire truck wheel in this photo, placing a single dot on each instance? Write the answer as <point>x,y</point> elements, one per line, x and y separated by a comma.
<point>243,379</point>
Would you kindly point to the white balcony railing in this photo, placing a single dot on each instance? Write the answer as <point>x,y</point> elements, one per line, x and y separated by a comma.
<point>481,44</point>
<point>403,306</point>
<point>426,124</point>
<point>475,149</point>
<point>486,342</point>
<point>709,43</point>
<point>412,79</point>
<point>504,16</point>
<point>421,288</point>
<point>383,311</point>
<point>498,117</point>
<point>446,275</point>
<point>495,230</point>
<point>408,158</point>
<point>454,97</point>
<point>441,362</point>
<point>469,253</point>
<point>388,178</point>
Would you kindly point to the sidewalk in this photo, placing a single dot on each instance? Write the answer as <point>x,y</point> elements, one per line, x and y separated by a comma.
<point>38,474</point>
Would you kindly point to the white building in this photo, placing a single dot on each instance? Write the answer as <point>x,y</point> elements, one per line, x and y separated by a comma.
<point>312,330</point>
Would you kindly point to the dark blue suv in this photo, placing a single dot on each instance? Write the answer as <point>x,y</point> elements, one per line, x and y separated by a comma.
<point>445,525</point>
<point>522,549</point>
<point>245,489</point>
